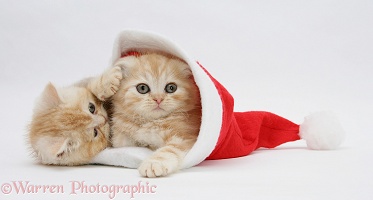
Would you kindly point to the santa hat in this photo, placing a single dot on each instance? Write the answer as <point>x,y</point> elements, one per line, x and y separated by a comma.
<point>223,132</point>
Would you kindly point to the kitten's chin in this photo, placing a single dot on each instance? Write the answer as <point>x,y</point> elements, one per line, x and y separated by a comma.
<point>156,114</point>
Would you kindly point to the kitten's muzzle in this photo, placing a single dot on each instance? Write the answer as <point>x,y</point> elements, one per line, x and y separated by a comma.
<point>99,120</point>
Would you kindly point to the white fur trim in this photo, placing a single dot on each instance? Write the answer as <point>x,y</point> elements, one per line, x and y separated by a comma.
<point>322,131</point>
<point>130,157</point>
<point>212,111</point>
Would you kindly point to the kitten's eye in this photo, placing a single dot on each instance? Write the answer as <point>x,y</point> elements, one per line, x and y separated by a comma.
<point>95,132</point>
<point>170,88</point>
<point>91,108</point>
<point>142,88</point>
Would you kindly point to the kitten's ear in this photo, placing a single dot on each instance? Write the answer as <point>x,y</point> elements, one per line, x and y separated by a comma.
<point>54,147</point>
<point>127,63</point>
<point>63,146</point>
<point>49,99</point>
<point>187,72</point>
<point>58,146</point>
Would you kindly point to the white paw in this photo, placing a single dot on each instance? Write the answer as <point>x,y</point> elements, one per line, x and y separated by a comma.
<point>110,81</point>
<point>154,168</point>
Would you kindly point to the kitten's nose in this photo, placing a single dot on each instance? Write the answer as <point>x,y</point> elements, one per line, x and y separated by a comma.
<point>101,120</point>
<point>158,100</point>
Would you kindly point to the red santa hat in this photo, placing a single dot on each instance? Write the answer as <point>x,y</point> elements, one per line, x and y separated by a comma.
<point>223,132</point>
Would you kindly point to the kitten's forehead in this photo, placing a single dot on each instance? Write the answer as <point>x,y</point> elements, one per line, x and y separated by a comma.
<point>74,111</point>
<point>73,96</point>
<point>75,119</point>
<point>160,68</point>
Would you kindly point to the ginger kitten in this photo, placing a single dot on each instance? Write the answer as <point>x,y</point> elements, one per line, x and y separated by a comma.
<point>70,125</point>
<point>157,106</point>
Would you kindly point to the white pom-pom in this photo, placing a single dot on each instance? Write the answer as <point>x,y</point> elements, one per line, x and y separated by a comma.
<point>322,131</point>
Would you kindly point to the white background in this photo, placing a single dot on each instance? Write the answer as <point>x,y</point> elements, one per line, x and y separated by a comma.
<point>288,57</point>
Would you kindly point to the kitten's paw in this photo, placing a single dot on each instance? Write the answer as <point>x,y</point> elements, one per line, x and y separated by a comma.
<point>155,168</point>
<point>110,82</point>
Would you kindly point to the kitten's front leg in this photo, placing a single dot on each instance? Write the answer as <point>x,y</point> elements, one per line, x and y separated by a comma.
<point>166,159</point>
<point>106,85</point>
<point>163,162</point>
